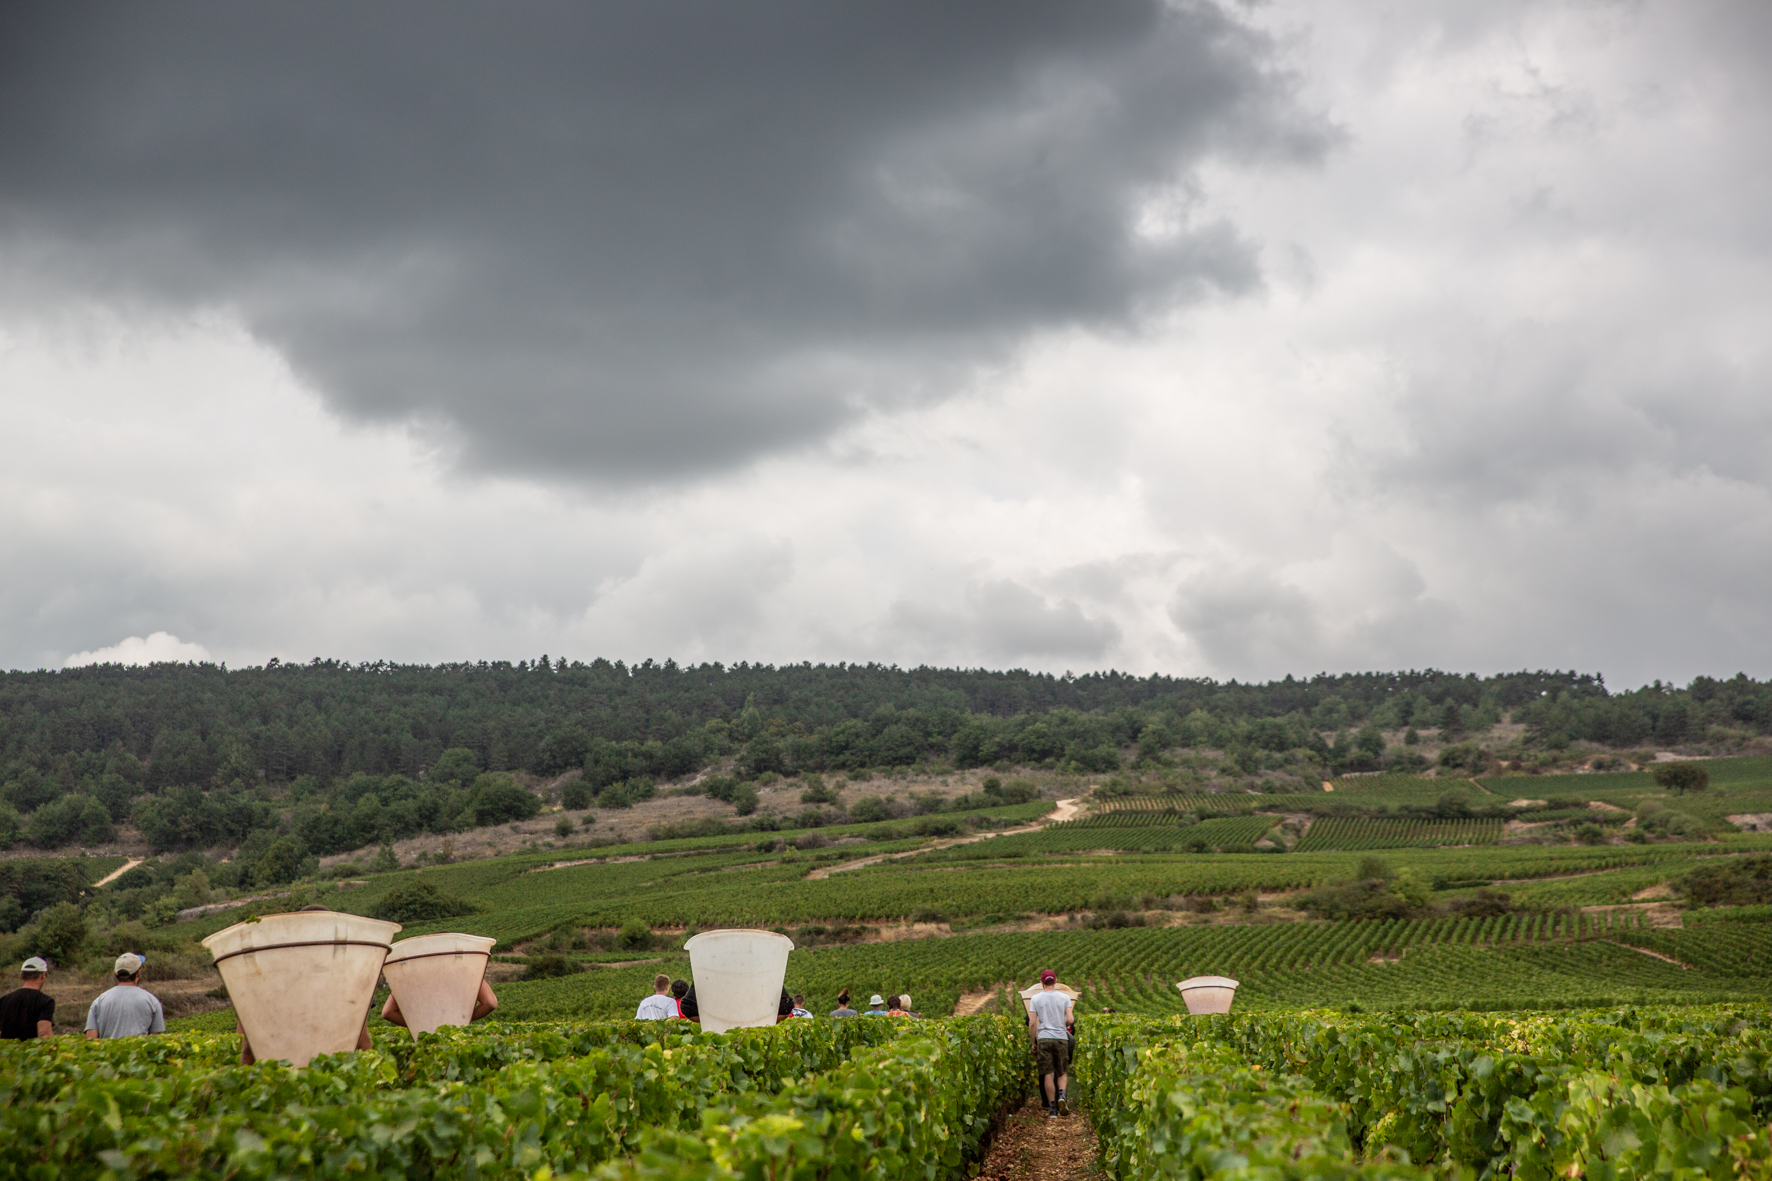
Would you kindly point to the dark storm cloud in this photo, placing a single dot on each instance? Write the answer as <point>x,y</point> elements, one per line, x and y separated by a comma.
<point>626,239</point>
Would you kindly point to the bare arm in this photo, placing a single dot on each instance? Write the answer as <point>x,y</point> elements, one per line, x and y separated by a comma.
<point>1033,1025</point>
<point>45,1029</point>
<point>485,1003</point>
<point>91,1034</point>
<point>363,1042</point>
<point>390,1012</point>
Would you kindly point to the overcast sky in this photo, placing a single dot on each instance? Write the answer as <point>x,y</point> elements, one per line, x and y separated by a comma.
<point>1228,340</point>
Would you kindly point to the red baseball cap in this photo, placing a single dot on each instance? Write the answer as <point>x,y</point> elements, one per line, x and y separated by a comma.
<point>1048,977</point>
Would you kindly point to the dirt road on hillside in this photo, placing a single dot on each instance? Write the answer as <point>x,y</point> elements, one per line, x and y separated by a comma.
<point>1065,810</point>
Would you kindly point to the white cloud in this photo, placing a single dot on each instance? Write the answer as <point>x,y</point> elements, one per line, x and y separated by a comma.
<point>158,648</point>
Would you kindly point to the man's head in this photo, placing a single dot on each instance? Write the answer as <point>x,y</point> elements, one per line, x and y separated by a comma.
<point>679,988</point>
<point>878,1001</point>
<point>661,984</point>
<point>129,967</point>
<point>1048,978</point>
<point>798,1000</point>
<point>33,970</point>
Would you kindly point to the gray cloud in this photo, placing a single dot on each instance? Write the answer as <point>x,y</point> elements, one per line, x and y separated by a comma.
<point>1005,622</point>
<point>1499,394</point>
<point>632,239</point>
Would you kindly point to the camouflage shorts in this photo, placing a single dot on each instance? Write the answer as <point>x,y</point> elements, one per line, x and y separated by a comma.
<point>1052,1056</point>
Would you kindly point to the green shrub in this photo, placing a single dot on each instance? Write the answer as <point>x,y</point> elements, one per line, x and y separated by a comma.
<point>1682,777</point>
<point>549,967</point>
<point>636,936</point>
<point>420,901</point>
<point>1728,881</point>
<point>60,935</point>
<point>499,799</point>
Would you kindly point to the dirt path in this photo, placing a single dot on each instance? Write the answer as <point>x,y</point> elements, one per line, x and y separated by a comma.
<point>974,1002</point>
<point>1656,955</point>
<point>117,873</point>
<point>1065,810</point>
<point>1033,1148</point>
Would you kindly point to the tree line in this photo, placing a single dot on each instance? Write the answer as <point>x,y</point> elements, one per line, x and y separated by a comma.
<point>334,756</point>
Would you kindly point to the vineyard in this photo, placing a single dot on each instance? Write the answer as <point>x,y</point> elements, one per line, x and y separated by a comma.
<point>1141,831</point>
<point>865,1096</point>
<point>520,898</point>
<point>1554,960</point>
<point>1611,1095</point>
<point>1678,1092</point>
<point>1389,1048</point>
<point>1355,833</point>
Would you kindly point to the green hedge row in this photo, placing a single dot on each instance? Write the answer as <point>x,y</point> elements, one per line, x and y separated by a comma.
<point>1169,1105</point>
<point>1674,1093</point>
<point>455,1103</point>
<point>877,1094</point>
<point>919,1107</point>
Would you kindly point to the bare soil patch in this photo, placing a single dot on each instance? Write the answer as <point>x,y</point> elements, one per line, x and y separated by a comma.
<point>1031,1147</point>
<point>1066,810</point>
<point>1656,914</point>
<point>118,872</point>
<point>625,825</point>
<point>1654,955</point>
<point>975,1002</point>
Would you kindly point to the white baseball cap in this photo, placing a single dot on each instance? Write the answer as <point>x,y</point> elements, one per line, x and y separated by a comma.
<point>130,963</point>
<point>35,964</point>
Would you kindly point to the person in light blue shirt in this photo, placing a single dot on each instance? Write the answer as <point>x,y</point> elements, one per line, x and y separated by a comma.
<point>876,1006</point>
<point>127,1009</point>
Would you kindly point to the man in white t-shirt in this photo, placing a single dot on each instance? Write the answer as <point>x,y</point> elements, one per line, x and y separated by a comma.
<point>660,1004</point>
<point>1049,1018</point>
<point>128,1009</point>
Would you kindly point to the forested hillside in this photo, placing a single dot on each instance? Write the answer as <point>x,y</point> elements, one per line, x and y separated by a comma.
<point>338,755</point>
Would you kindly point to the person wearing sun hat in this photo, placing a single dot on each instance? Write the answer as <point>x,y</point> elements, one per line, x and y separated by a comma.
<point>876,1006</point>
<point>127,1009</point>
<point>25,1013</point>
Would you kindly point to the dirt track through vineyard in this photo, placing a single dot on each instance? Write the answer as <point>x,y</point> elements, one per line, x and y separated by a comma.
<point>1033,1148</point>
<point>118,872</point>
<point>974,1002</point>
<point>1065,810</point>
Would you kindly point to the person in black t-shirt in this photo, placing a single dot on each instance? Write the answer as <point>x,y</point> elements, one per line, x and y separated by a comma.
<point>25,1013</point>
<point>687,1005</point>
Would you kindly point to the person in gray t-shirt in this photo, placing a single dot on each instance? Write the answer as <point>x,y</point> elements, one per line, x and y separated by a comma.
<point>1049,1018</point>
<point>127,1010</point>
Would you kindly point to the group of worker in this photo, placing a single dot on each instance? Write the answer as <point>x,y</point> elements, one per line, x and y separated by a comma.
<point>126,1009</point>
<point>1052,1022</point>
<point>129,1010</point>
<point>675,999</point>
